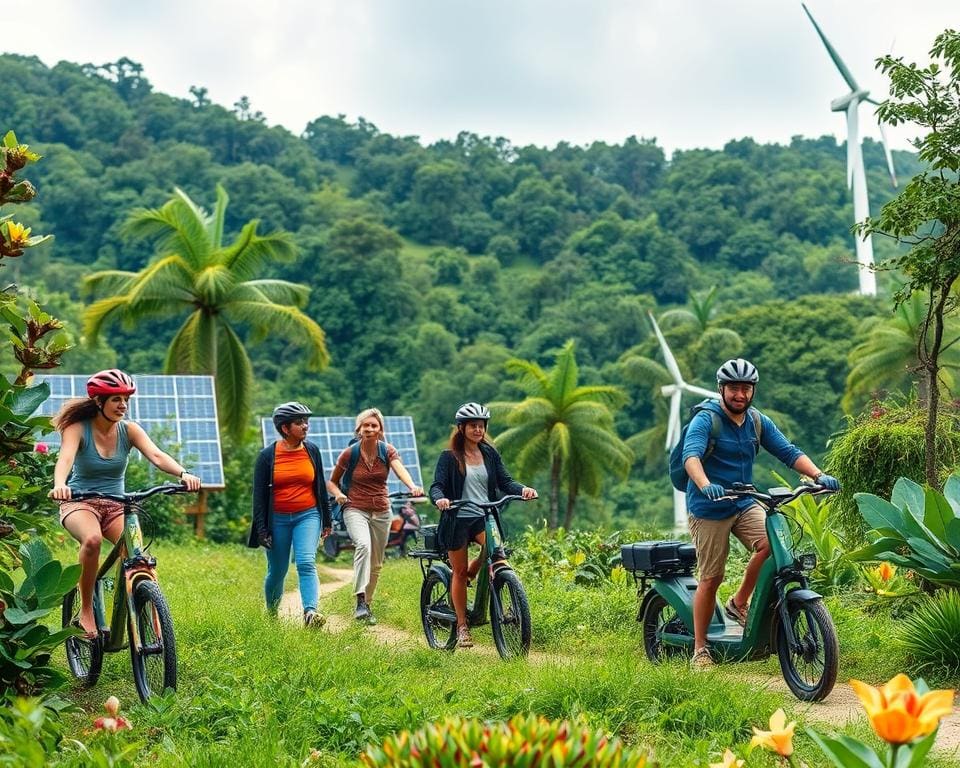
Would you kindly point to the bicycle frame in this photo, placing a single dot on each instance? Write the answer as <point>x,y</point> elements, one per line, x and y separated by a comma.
<point>492,546</point>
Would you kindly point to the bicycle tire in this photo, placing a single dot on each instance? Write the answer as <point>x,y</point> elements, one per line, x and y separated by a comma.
<point>510,615</point>
<point>155,665</point>
<point>657,616</point>
<point>435,599</point>
<point>84,656</point>
<point>818,655</point>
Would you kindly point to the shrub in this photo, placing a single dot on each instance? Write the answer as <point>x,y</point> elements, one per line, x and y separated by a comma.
<point>526,740</point>
<point>929,636</point>
<point>881,445</point>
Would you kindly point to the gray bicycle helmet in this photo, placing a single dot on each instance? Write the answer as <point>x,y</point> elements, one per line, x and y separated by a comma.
<point>737,371</point>
<point>287,412</point>
<point>472,411</point>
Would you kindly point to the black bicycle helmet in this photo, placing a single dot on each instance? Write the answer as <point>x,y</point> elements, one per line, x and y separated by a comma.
<point>737,371</point>
<point>471,412</point>
<point>287,412</point>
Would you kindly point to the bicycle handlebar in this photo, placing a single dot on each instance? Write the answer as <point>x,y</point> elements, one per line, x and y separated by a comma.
<point>502,502</point>
<point>166,489</point>
<point>776,496</point>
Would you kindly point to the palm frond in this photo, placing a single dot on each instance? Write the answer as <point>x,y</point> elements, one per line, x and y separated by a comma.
<point>250,252</point>
<point>215,225</point>
<point>273,291</point>
<point>109,281</point>
<point>182,354</point>
<point>563,378</point>
<point>268,319</point>
<point>96,315</point>
<point>234,382</point>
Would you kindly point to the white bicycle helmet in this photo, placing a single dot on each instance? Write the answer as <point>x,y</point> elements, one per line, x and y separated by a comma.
<point>472,411</point>
<point>737,371</point>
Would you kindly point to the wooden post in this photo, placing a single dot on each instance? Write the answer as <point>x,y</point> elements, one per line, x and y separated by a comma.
<point>199,510</point>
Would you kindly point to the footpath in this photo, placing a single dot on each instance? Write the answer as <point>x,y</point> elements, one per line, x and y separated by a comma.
<point>841,707</point>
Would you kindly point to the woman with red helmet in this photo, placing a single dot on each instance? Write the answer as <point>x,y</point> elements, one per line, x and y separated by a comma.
<point>94,448</point>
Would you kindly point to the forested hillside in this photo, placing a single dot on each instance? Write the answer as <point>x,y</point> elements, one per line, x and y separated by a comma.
<point>430,266</point>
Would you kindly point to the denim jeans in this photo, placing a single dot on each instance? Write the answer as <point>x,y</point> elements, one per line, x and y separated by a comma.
<point>302,531</point>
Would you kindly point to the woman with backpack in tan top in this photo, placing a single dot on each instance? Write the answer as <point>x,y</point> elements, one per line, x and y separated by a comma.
<point>362,494</point>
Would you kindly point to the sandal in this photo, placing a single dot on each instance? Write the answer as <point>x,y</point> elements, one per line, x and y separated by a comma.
<point>87,635</point>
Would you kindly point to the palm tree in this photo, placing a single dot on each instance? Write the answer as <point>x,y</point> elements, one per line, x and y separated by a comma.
<point>887,358</point>
<point>215,284</point>
<point>564,428</point>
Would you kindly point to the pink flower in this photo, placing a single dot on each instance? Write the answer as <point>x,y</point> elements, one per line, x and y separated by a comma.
<point>41,448</point>
<point>112,705</point>
<point>112,724</point>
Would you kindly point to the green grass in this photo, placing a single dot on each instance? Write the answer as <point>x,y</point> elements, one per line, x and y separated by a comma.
<point>256,691</point>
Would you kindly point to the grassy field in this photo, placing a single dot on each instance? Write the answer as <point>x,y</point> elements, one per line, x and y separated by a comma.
<point>256,691</point>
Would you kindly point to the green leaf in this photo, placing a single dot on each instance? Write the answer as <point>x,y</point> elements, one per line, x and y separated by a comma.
<point>953,533</point>
<point>17,616</point>
<point>35,555</point>
<point>879,513</point>
<point>25,401</point>
<point>908,495</point>
<point>937,514</point>
<point>845,752</point>
<point>10,140</point>
<point>951,491</point>
<point>915,755</point>
<point>877,550</point>
<point>46,582</point>
<point>931,556</point>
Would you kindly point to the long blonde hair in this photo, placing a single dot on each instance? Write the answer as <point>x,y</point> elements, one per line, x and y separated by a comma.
<point>366,414</point>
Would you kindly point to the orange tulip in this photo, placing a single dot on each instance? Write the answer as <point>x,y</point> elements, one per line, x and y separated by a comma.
<point>779,738</point>
<point>898,713</point>
<point>885,571</point>
<point>729,761</point>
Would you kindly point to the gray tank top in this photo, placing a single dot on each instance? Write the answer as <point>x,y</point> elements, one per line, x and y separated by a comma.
<point>92,472</point>
<point>474,489</point>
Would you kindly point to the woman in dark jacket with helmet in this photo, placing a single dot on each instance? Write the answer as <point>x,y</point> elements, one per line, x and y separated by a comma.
<point>95,444</point>
<point>469,469</point>
<point>289,507</point>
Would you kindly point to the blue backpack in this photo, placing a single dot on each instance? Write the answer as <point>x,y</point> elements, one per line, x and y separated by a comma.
<point>678,472</point>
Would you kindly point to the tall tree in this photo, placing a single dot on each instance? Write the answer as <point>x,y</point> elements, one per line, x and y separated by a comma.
<point>564,428</point>
<point>216,284</point>
<point>926,214</point>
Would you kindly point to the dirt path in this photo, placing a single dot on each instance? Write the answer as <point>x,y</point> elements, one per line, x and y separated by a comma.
<point>841,707</point>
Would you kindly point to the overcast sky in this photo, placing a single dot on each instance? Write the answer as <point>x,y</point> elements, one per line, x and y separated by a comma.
<point>690,73</point>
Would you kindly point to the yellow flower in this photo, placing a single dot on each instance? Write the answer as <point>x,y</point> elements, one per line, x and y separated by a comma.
<point>779,738</point>
<point>17,234</point>
<point>898,714</point>
<point>885,571</point>
<point>729,761</point>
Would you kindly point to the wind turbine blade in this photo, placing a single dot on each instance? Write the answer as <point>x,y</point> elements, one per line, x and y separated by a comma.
<point>853,138</point>
<point>833,53</point>
<point>694,390</point>
<point>888,154</point>
<point>668,357</point>
<point>673,424</point>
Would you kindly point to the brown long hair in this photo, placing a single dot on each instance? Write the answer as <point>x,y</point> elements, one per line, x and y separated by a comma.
<point>74,411</point>
<point>456,445</point>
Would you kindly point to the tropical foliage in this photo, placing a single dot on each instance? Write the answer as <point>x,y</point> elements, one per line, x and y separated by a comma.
<point>216,283</point>
<point>564,427</point>
<point>917,529</point>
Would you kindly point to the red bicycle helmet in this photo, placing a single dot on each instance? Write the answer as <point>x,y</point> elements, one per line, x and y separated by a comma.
<point>110,382</point>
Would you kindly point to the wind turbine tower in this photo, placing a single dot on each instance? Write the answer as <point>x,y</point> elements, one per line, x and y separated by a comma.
<point>856,178</point>
<point>675,392</point>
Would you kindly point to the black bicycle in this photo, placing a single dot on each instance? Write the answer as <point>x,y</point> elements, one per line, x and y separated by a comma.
<point>496,585</point>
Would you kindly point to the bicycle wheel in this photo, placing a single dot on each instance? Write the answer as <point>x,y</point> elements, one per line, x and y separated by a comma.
<point>437,614</point>
<point>659,618</point>
<point>84,656</point>
<point>810,669</point>
<point>155,664</point>
<point>509,615</point>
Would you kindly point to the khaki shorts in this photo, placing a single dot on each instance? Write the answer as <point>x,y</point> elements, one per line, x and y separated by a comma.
<point>712,538</point>
<point>105,510</point>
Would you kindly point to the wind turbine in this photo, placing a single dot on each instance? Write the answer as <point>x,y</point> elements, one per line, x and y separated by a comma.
<point>675,392</point>
<point>856,178</point>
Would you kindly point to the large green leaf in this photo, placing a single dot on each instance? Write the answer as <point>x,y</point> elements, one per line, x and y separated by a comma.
<point>937,514</point>
<point>908,495</point>
<point>876,550</point>
<point>847,752</point>
<point>880,513</point>
<point>953,533</point>
<point>932,557</point>
<point>17,616</point>
<point>35,555</point>
<point>951,491</point>
<point>25,401</point>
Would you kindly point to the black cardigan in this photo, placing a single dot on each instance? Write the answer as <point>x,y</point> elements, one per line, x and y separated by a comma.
<point>263,490</point>
<point>448,479</point>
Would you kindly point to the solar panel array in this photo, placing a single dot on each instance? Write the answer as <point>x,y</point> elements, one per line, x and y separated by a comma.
<point>333,433</point>
<point>178,412</point>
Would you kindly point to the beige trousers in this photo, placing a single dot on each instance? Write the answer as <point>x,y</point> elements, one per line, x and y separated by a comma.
<point>369,531</point>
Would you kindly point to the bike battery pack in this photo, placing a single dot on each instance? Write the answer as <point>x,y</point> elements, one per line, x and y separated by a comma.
<point>658,556</point>
<point>429,534</point>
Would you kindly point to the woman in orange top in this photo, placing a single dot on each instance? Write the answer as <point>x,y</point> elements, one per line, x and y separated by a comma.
<point>289,507</point>
<point>366,511</point>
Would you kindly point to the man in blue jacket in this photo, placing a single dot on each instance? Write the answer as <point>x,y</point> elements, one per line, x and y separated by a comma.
<point>730,460</point>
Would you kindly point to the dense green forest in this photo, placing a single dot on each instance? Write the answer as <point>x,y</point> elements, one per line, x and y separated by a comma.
<point>431,266</point>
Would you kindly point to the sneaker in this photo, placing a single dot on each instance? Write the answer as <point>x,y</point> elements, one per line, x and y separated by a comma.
<point>313,620</point>
<point>371,619</point>
<point>733,611</point>
<point>701,659</point>
<point>463,637</point>
<point>363,611</point>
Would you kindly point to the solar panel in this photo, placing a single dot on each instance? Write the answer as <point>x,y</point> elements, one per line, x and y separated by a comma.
<point>333,433</point>
<point>178,412</point>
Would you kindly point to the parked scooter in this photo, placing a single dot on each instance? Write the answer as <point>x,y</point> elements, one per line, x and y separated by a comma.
<point>404,524</point>
<point>785,616</point>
